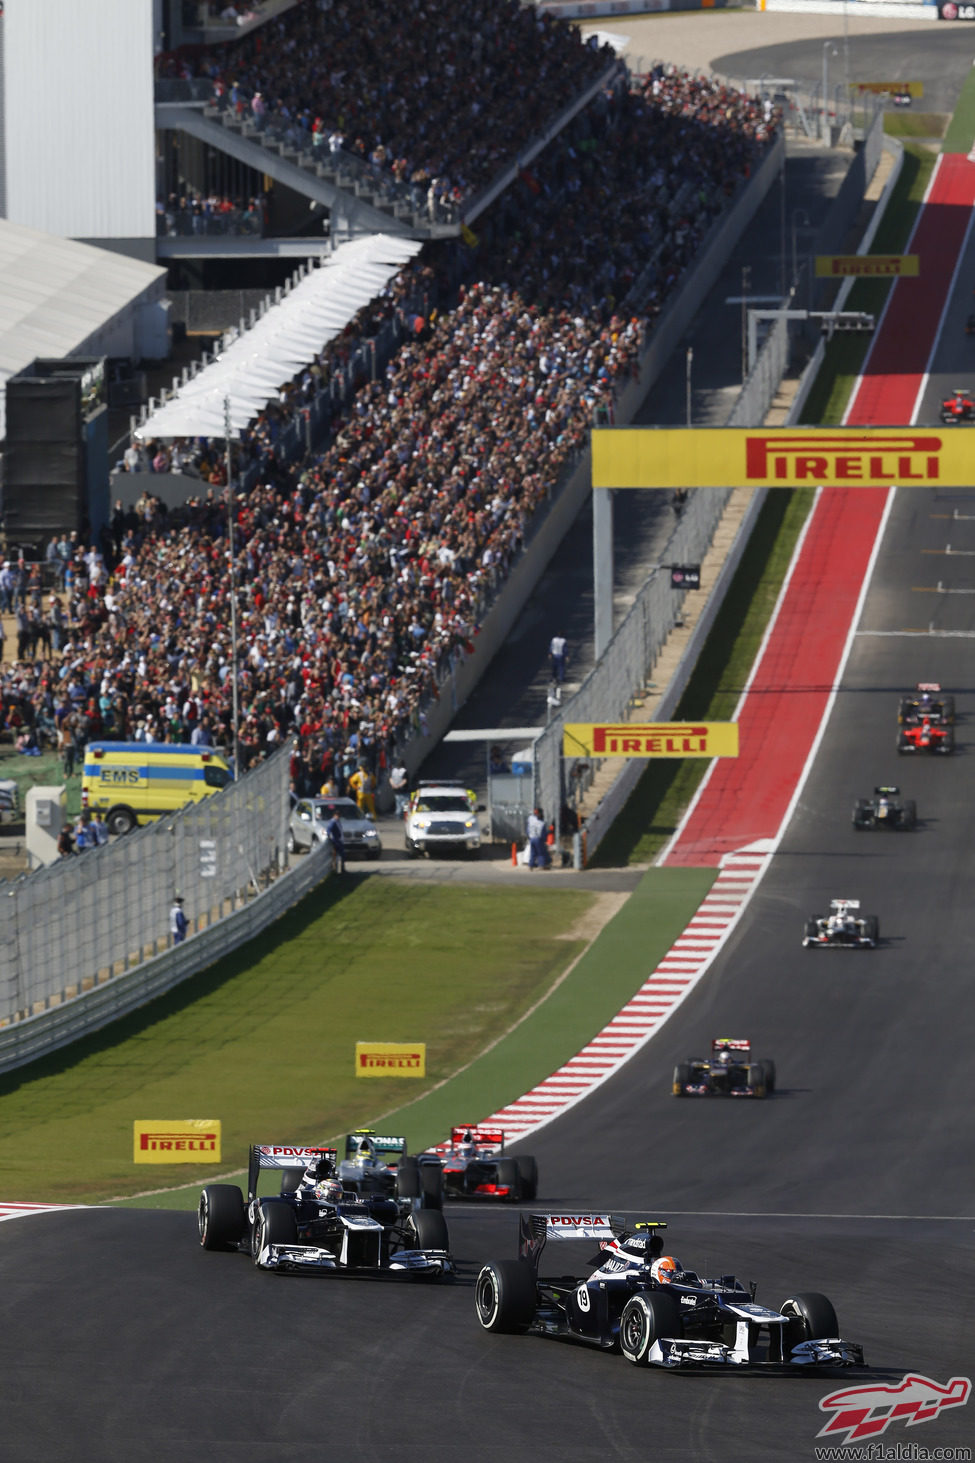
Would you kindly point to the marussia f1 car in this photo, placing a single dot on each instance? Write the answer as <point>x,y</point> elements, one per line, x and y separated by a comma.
<point>886,809</point>
<point>843,927</point>
<point>377,1163</point>
<point>926,735</point>
<point>649,1307</point>
<point>474,1166</point>
<point>730,1072</point>
<point>958,407</point>
<point>314,1227</point>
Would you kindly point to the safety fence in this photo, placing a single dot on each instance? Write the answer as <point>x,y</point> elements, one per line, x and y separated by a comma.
<point>89,919</point>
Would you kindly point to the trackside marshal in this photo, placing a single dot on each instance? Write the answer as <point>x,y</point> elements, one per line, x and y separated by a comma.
<point>780,457</point>
<point>390,1059</point>
<point>652,739</point>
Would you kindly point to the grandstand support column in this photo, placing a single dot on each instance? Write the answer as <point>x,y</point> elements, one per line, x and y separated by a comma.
<point>602,568</point>
<point>232,568</point>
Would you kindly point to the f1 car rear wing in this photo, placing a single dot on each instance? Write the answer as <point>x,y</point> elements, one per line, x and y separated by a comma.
<point>280,1156</point>
<point>387,1149</point>
<point>844,904</point>
<point>535,1230</point>
<point>480,1137</point>
<point>730,1044</point>
<point>890,792</point>
<point>930,686</point>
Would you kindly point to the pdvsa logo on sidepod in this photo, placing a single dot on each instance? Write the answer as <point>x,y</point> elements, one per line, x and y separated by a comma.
<point>868,1411</point>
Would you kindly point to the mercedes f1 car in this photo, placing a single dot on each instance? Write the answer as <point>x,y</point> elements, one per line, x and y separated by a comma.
<point>474,1166</point>
<point>843,928</point>
<point>886,809</point>
<point>729,1072</point>
<point>926,700</point>
<point>376,1163</point>
<point>313,1226</point>
<point>958,407</point>
<point>649,1307</point>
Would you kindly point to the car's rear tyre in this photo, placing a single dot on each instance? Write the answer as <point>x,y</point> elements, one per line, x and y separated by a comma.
<point>508,1178</point>
<point>429,1229</point>
<point>647,1317</point>
<point>872,928</point>
<point>276,1225</point>
<point>527,1177</point>
<point>121,821</point>
<point>909,813</point>
<point>290,1179</point>
<point>221,1217</point>
<point>505,1296</point>
<point>682,1075</point>
<point>948,708</point>
<point>811,1318</point>
<point>290,843</point>
<point>769,1074</point>
<point>431,1185</point>
<point>408,1179</point>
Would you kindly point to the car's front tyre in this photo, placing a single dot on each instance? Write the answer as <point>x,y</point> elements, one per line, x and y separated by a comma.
<point>221,1217</point>
<point>647,1317</point>
<point>811,1317</point>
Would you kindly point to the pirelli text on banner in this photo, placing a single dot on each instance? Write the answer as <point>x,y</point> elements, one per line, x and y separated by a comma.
<point>651,739</point>
<point>780,457</point>
<point>181,1140</point>
<point>872,266</point>
<point>390,1059</point>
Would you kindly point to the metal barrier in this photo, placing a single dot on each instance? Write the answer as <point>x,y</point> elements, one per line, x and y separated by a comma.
<point>113,997</point>
<point>88,919</point>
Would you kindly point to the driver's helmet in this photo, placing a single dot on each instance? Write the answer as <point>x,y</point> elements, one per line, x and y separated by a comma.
<point>329,1190</point>
<point>837,921</point>
<point>319,1168</point>
<point>723,1058</point>
<point>666,1269</point>
<point>365,1151</point>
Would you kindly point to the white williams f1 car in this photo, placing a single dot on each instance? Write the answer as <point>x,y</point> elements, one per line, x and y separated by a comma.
<point>649,1307</point>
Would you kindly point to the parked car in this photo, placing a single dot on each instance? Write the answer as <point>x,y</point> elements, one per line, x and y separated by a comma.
<point>311,816</point>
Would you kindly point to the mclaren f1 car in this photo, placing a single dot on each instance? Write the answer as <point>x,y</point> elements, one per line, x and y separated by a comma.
<point>728,1072</point>
<point>474,1165</point>
<point>886,809</point>
<point>646,1305</point>
<point>843,928</point>
<point>315,1226</point>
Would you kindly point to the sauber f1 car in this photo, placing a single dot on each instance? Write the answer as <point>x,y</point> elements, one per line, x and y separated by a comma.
<point>730,1072</point>
<point>377,1163</point>
<point>313,1226</point>
<point>649,1307</point>
<point>886,809</point>
<point>475,1166</point>
<point>843,927</point>
<point>958,407</point>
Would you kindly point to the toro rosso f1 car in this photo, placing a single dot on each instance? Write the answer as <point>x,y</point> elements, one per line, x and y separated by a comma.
<point>649,1307</point>
<point>886,809</point>
<point>730,1072</point>
<point>843,927</point>
<point>474,1166</point>
<point>926,700</point>
<point>314,1226</point>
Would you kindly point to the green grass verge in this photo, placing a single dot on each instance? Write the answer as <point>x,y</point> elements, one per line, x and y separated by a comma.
<point>607,975</point>
<point>916,124</point>
<point>43,771</point>
<point>961,128</point>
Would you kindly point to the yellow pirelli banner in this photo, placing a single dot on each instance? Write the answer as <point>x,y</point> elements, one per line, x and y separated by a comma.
<point>870,266</point>
<point>781,457</point>
<point>180,1140</point>
<point>390,1059</point>
<point>651,739</point>
<point>899,88</point>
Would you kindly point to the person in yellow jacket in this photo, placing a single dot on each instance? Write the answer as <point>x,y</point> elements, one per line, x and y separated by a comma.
<point>362,785</point>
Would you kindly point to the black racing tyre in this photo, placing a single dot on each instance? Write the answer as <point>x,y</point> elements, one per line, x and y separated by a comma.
<point>505,1296</point>
<point>682,1075</point>
<point>810,929</point>
<point>431,1185</point>
<point>276,1225</point>
<point>769,1073</point>
<point>527,1177</point>
<point>290,1179</point>
<point>861,814</point>
<point>121,821</point>
<point>757,1084</point>
<point>811,1318</point>
<point>408,1179</point>
<point>221,1217</point>
<point>647,1316</point>
<point>948,708</point>
<point>429,1229</point>
<point>508,1178</point>
<point>872,928</point>
<point>909,813</point>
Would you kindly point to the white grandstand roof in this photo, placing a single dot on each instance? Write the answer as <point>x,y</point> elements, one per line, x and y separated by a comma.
<point>61,298</point>
<point>250,371</point>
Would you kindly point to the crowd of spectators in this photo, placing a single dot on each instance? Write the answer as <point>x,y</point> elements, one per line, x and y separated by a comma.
<point>183,214</point>
<point>361,573</point>
<point>436,93</point>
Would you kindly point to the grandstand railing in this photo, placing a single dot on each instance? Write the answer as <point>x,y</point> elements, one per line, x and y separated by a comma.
<point>89,920</point>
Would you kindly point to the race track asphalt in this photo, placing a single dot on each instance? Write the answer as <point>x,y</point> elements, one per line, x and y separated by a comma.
<point>124,1341</point>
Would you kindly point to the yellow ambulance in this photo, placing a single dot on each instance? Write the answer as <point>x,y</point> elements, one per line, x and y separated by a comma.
<point>131,783</point>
